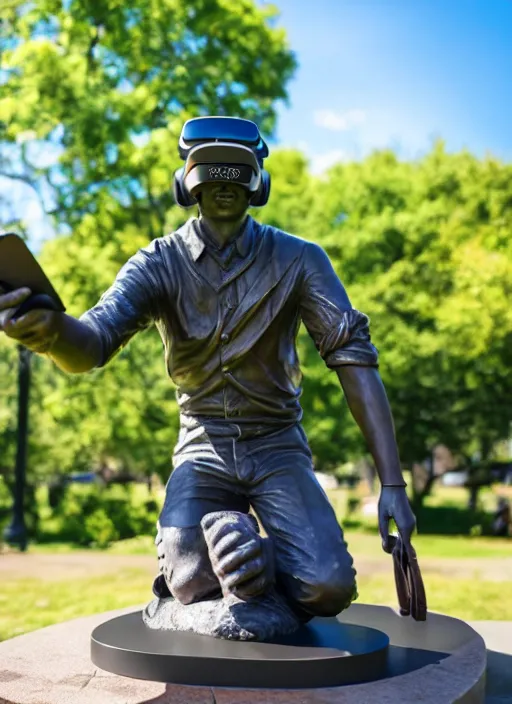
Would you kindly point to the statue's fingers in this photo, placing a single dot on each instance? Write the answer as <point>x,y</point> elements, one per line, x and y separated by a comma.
<point>215,528</point>
<point>227,544</point>
<point>252,587</point>
<point>247,571</point>
<point>384,532</point>
<point>242,555</point>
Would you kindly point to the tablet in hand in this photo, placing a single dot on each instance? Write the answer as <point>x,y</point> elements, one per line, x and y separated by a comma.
<point>19,269</point>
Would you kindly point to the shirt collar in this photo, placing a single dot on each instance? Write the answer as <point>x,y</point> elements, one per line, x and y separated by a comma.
<point>196,244</point>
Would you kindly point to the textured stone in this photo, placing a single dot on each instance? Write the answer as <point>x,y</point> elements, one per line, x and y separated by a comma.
<point>53,666</point>
<point>260,618</point>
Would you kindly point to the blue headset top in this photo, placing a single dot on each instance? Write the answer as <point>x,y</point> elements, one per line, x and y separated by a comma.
<point>221,129</point>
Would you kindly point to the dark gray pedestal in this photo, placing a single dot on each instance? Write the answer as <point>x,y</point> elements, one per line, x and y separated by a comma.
<point>324,653</point>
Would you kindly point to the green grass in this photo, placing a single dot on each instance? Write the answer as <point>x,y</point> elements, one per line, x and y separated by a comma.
<point>467,599</point>
<point>360,544</point>
<point>26,606</point>
<point>366,544</point>
<point>435,546</point>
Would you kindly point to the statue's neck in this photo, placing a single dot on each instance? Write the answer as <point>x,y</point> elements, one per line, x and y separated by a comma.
<point>222,232</point>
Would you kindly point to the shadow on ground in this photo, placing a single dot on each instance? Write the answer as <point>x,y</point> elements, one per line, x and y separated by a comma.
<point>499,678</point>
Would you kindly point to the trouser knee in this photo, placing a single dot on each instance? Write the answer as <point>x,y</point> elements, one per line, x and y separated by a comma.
<point>327,595</point>
<point>185,569</point>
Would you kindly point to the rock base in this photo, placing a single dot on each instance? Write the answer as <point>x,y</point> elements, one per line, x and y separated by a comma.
<point>261,618</point>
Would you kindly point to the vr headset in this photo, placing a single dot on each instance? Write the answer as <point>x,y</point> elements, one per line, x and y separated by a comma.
<point>225,149</point>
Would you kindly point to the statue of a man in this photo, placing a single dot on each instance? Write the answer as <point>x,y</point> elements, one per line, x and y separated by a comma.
<point>227,295</point>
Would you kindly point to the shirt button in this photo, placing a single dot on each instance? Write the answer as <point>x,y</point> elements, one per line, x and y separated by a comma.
<point>224,337</point>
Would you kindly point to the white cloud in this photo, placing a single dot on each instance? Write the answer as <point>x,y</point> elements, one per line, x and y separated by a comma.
<point>408,135</point>
<point>322,162</point>
<point>339,121</point>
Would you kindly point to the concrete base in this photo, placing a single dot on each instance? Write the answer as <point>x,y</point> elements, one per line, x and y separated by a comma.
<point>53,666</point>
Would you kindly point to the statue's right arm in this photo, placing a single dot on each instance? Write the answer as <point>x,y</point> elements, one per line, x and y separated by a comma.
<point>131,304</point>
<point>72,345</point>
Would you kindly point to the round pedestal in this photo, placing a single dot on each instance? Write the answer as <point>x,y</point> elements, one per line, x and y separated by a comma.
<point>441,661</point>
<point>325,653</point>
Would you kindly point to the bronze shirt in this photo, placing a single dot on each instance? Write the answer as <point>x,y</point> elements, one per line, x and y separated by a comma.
<point>229,327</point>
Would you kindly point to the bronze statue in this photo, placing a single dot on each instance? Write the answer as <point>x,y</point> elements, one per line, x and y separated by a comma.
<point>227,295</point>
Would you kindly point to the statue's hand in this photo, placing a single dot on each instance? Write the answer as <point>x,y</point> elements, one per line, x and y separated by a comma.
<point>36,330</point>
<point>393,503</point>
<point>240,557</point>
<point>10,302</point>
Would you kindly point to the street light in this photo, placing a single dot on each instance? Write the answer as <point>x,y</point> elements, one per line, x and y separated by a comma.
<point>16,533</point>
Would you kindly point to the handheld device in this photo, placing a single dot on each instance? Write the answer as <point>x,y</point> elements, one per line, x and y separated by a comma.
<point>19,269</point>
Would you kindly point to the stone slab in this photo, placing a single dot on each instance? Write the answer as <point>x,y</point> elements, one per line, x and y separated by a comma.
<point>496,634</point>
<point>53,666</point>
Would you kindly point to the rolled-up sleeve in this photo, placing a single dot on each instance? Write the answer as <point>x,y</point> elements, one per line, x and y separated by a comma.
<point>341,333</point>
<point>130,305</point>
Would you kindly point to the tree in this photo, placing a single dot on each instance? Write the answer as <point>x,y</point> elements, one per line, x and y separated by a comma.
<point>424,249</point>
<point>105,87</point>
<point>108,85</point>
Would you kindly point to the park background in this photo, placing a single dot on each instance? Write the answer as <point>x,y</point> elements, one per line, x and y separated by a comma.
<point>390,146</point>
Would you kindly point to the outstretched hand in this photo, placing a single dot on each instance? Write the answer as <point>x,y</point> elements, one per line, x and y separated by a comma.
<point>10,302</point>
<point>36,329</point>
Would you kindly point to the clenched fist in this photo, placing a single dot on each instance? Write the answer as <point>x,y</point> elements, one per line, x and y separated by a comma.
<point>37,329</point>
<point>242,561</point>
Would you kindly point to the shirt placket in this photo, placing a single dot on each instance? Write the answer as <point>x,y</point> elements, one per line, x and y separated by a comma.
<point>228,303</point>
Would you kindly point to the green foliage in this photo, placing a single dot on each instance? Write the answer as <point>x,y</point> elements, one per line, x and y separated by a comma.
<point>95,516</point>
<point>104,89</point>
<point>424,248</point>
<point>100,529</point>
<point>107,86</point>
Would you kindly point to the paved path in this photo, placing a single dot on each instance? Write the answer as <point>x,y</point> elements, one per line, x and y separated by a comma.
<point>52,567</point>
<point>498,640</point>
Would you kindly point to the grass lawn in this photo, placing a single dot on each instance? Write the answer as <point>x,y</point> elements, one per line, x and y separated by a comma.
<point>28,604</point>
<point>365,544</point>
<point>434,546</point>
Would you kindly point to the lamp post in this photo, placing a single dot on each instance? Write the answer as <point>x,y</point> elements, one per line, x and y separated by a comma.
<point>16,533</point>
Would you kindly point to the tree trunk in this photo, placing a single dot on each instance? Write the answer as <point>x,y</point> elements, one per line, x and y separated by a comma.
<point>423,479</point>
<point>473,497</point>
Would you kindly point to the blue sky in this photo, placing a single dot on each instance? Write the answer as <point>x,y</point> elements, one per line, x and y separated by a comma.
<point>386,73</point>
<point>399,73</point>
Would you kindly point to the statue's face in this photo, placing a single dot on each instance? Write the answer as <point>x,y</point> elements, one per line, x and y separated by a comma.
<point>223,201</point>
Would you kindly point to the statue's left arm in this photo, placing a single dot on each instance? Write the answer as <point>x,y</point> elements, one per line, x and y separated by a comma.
<point>341,335</point>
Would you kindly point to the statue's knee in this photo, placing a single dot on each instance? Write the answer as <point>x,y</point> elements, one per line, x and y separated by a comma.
<point>191,585</point>
<point>329,594</point>
<point>184,565</point>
